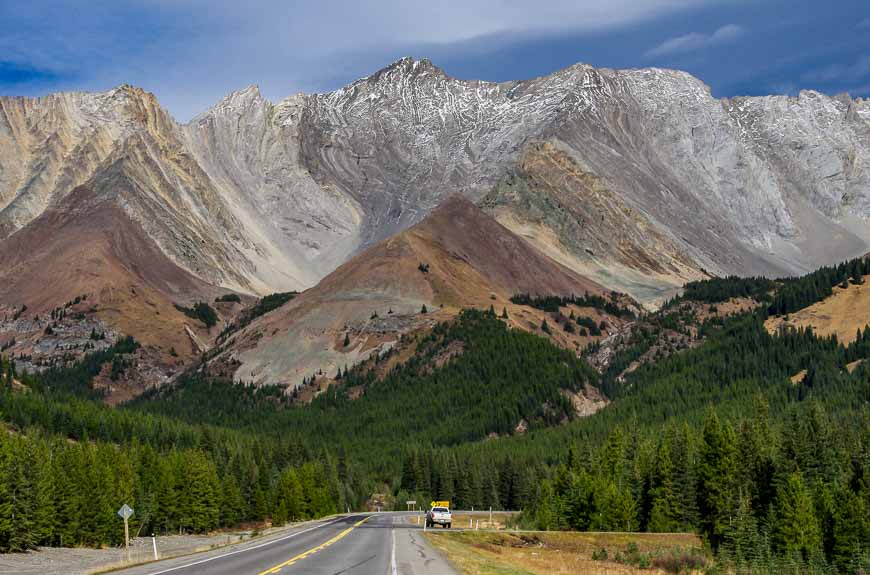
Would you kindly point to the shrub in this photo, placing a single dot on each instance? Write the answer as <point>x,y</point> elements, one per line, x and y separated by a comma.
<point>681,561</point>
<point>229,298</point>
<point>201,311</point>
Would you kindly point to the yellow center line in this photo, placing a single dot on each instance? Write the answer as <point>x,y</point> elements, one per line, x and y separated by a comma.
<point>314,550</point>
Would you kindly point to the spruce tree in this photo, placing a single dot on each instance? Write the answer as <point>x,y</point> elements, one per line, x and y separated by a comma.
<point>232,504</point>
<point>7,507</point>
<point>743,542</point>
<point>665,512</point>
<point>849,533</point>
<point>795,527</point>
<point>717,468</point>
<point>45,515</point>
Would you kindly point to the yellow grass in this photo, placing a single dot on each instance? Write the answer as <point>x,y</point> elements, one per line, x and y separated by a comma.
<point>551,553</point>
<point>481,520</point>
<point>841,314</point>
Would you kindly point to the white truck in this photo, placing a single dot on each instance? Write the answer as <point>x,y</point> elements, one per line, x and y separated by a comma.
<point>439,515</point>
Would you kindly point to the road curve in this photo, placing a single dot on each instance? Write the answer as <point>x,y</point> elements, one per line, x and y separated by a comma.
<point>375,544</point>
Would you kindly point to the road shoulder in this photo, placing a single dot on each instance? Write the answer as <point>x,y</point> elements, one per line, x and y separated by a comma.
<point>413,554</point>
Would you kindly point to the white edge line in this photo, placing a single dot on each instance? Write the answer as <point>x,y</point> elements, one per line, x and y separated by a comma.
<point>246,549</point>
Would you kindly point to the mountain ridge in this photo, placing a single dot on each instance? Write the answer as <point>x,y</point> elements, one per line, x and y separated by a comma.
<point>257,197</point>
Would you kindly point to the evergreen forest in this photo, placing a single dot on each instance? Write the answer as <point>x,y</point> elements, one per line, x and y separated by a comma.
<point>722,439</point>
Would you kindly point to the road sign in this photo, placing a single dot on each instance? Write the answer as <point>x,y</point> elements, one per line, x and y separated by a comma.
<point>126,512</point>
<point>412,502</point>
<point>439,504</point>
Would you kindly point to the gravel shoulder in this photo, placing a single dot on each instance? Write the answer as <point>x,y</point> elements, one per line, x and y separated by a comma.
<point>83,561</point>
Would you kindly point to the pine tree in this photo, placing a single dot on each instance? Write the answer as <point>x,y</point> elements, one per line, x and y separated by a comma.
<point>7,524</point>
<point>795,526</point>
<point>546,517</point>
<point>232,505</point>
<point>22,499</point>
<point>462,495</point>
<point>743,543</point>
<point>45,514</point>
<point>202,490</point>
<point>490,490</point>
<point>289,498</point>
<point>665,512</point>
<point>411,473</point>
<point>850,525</point>
<point>685,478</point>
<point>716,478</point>
<point>68,470</point>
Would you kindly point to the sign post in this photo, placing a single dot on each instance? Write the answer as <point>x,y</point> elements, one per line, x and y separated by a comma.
<point>126,512</point>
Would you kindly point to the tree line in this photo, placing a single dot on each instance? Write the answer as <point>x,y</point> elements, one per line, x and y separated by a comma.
<point>765,494</point>
<point>781,296</point>
<point>68,463</point>
<point>552,303</point>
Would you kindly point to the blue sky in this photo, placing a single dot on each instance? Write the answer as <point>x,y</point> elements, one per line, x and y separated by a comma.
<point>193,52</point>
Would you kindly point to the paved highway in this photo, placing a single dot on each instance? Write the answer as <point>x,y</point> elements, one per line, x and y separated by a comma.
<point>370,544</point>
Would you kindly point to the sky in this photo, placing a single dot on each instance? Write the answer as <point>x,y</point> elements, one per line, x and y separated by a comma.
<point>191,53</point>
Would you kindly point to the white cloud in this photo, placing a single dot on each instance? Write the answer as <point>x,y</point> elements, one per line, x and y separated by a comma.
<point>192,52</point>
<point>695,41</point>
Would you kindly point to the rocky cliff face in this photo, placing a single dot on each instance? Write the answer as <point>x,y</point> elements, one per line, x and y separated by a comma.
<point>638,178</point>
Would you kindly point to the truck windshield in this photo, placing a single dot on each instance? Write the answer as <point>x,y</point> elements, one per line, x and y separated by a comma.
<point>439,510</point>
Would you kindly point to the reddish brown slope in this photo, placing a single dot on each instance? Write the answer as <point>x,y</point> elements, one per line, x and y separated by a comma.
<point>88,245</point>
<point>469,260</point>
<point>470,256</point>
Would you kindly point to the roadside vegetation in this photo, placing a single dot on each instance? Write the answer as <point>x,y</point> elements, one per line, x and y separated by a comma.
<point>560,553</point>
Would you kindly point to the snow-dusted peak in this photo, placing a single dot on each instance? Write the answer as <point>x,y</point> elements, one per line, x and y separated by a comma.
<point>234,104</point>
<point>407,66</point>
<point>281,193</point>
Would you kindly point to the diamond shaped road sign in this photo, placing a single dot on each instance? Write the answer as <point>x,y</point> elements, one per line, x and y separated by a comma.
<point>126,512</point>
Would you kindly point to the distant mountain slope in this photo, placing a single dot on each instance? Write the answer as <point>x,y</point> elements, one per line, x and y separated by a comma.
<point>843,314</point>
<point>637,178</point>
<point>457,257</point>
<point>87,246</point>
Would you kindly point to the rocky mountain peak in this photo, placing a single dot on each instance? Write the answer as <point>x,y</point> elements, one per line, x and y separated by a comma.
<point>234,104</point>
<point>261,197</point>
<point>407,68</point>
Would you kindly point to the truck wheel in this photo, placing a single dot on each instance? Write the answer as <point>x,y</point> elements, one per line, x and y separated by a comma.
<point>448,525</point>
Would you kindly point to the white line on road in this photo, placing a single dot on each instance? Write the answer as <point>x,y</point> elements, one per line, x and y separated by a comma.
<point>393,554</point>
<point>261,545</point>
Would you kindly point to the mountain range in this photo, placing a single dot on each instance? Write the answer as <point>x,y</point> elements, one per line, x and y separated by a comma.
<point>587,180</point>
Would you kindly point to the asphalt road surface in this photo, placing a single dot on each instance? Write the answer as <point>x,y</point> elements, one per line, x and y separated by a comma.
<point>375,544</point>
